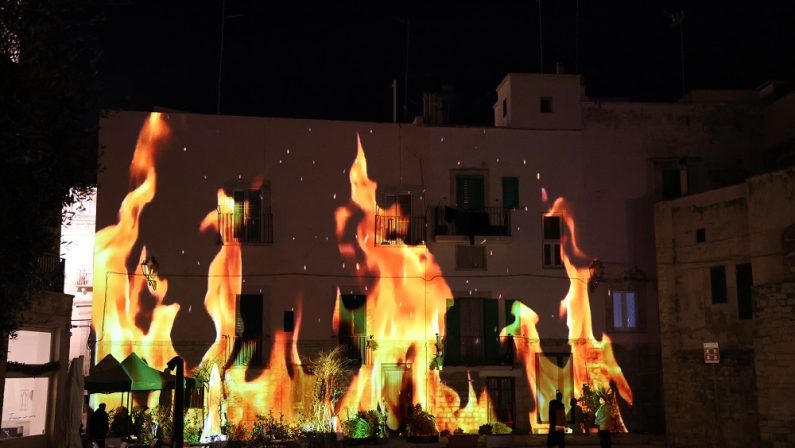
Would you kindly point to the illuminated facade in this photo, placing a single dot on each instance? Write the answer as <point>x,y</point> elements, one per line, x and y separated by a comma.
<point>473,270</point>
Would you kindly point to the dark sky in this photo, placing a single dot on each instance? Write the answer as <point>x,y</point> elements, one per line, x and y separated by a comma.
<point>333,62</point>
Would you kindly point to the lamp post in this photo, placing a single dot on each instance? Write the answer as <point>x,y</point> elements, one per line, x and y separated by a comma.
<point>179,397</point>
<point>149,268</point>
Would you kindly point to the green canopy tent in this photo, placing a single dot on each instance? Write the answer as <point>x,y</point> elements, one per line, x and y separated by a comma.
<point>108,376</point>
<point>131,375</point>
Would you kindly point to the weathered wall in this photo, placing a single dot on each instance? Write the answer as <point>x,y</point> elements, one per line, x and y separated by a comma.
<point>774,315</point>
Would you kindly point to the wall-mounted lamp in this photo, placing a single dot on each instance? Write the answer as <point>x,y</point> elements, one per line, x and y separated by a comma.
<point>149,267</point>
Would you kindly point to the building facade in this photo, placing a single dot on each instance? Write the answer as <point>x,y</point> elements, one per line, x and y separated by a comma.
<point>474,270</point>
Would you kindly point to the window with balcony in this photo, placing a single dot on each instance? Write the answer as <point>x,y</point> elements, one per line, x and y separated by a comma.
<point>551,246</point>
<point>399,219</point>
<point>470,216</point>
<point>472,337</point>
<point>247,218</point>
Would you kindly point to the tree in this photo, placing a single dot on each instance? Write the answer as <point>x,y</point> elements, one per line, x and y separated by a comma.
<point>48,136</point>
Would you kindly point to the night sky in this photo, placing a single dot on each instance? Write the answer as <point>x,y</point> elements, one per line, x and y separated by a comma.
<point>339,62</point>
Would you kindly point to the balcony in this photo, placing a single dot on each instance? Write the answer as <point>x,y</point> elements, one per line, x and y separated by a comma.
<point>398,230</point>
<point>238,228</point>
<point>479,351</point>
<point>489,221</point>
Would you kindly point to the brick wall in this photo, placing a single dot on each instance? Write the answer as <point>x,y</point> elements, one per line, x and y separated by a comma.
<point>774,316</point>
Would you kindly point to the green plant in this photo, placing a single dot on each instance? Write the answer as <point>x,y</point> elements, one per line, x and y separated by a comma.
<point>329,370</point>
<point>500,428</point>
<point>420,422</point>
<point>162,422</point>
<point>193,425</point>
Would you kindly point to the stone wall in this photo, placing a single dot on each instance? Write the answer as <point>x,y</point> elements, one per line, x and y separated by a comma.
<point>710,405</point>
<point>774,313</point>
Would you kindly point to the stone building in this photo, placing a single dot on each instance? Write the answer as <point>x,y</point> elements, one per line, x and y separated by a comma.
<point>725,275</point>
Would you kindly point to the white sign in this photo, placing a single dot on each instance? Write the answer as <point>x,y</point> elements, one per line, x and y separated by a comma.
<point>711,353</point>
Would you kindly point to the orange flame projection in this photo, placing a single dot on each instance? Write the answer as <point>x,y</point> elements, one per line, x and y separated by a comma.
<point>113,248</point>
<point>593,361</point>
<point>405,310</point>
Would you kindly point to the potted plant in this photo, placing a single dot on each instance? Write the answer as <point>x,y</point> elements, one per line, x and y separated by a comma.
<point>421,426</point>
<point>498,435</point>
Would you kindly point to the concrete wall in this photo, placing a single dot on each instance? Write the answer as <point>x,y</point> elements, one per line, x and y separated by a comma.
<point>524,91</point>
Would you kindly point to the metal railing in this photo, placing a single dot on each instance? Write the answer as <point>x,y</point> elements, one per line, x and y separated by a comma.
<point>392,229</point>
<point>488,221</point>
<point>237,228</point>
<point>51,267</point>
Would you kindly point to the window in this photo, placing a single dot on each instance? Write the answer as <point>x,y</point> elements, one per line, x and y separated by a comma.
<point>469,257</point>
<point>352,331</point>
<point>551,245</point>
<point>717,280</point>
<point>472,332</point>
<point>395,222</point>
<point>470,191</point>
<point>289,321</point>
<point>25,404</point>
<point>510,192</point>
<point>672,178</point>
<point>248,345</point>
<point>246,219</point>
<point>701,235</point>
<point>625,310</point>
<point>546,104</point>
<point>504,107</point>
<point>745,283</point>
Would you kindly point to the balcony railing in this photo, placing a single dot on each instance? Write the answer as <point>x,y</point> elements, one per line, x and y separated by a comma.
<point>248,351</point>
<point>392,229</point>
<point>479,351</point>
<point>237,228</point>
<point>489,221</point>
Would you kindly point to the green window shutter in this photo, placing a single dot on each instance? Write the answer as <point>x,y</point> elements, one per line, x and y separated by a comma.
<point>452,346</point>
<point>470,191</point>
<point>510,192</point>
<point>509,317</point>
<point>491,331</point>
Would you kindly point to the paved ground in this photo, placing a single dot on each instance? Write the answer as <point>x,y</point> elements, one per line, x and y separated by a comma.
<point>619,440</point>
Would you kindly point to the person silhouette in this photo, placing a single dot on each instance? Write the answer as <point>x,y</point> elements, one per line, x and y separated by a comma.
<point>557,422</point>
<point>98,426</point>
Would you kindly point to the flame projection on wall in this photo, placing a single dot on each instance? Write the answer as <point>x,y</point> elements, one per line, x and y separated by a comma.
<point>406,297</point>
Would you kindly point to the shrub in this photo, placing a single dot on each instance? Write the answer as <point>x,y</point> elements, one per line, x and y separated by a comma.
<point>484,430</point>
<point>500,428</point>
<point>421,423</point>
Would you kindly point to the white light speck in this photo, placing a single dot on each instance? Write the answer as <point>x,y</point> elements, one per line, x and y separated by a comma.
<point>190,308</point>
<point>357,266</point>
<point>343,265</point>
<point>441,139</point>
<point>525,208</point>
<point>518,228</point>
<point>334,196</point>
<point>305,267</point>
<point>491,252</point>
<point>326,238</point>
<point>538,176</point>
<point>205,177</point>
<point>184,149</point>
<point>500,296</point>
<point>280,161</point>
<point>524,161</point>
<point>183,251</point>
<point>344,171</point>
<point>459,163</point>
<point>260,290</point>
<point>467,282</point>
<point>288,150</point>
<point>239,176</point>
<point>484,130</point>
<point>498,160</point>
<point>470,292</point>
<point>198,263</point>
<point>310,129</point>
<point>371,131</point>
<point>301,178</point>
<point>313,162</point>
<point>483,242</point>
<point>507,270</point>
<point>293,238</point>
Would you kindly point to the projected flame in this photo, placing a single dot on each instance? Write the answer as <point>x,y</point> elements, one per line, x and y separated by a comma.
<point>406,302</point>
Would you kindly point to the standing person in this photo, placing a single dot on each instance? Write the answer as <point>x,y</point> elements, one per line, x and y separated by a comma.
<point>557,422</point>
<point>98,426</point>
<point>605,422</point>
<point>577,418</point>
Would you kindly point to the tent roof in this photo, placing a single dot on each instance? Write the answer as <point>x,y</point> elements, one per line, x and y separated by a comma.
<point>132,374</point>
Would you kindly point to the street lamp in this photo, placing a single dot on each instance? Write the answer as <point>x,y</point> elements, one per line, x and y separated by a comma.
<point>149,267</point>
